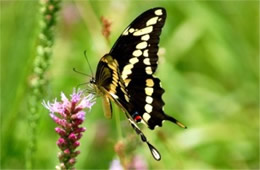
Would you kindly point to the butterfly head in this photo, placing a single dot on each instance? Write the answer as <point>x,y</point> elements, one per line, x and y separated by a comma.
<point>95,87</point>
<point>92,81</point>
<point>93,84</point>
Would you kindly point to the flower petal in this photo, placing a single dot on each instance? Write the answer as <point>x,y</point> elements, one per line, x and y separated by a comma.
<point>76,96</point>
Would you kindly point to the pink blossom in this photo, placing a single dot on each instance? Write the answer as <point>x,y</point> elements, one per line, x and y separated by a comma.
<point>69,115</point>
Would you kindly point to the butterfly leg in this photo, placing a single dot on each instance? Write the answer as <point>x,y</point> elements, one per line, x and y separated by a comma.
<point>156,154</point>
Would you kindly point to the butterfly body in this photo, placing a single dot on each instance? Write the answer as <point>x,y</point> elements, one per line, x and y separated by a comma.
<point>126,74</point>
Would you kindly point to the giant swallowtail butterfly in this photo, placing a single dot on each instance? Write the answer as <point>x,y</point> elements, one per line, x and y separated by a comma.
<point>125,74</point>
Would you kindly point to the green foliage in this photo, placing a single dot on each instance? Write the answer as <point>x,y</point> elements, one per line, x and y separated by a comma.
<point>209,67</point>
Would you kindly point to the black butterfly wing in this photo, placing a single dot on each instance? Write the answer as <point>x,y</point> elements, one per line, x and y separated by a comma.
<point>143,33</point>
<point>136,52</point>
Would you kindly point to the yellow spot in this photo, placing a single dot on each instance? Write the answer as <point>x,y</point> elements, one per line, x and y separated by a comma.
<point>126,31</point>
<point>152,21</point>
<point>127,70</point>
<point>137,53</point>
<point>141,45</point>
<point>148,108</point>
<point>148,99</point>
<point>124,76</point>
<point>145,37</point>
<point>126,98</point>
<point>148,91</point>
<point>128,67</point>
<point>158,12</point>
<point>127,81</point>
<point>149,82</point>
<point>148,70</point>
<point>143,31</point>
<point>131,30</point>
<point>147,61</point>
<point>133,60</point>
<point>146,117</point>
<point>146,53</point>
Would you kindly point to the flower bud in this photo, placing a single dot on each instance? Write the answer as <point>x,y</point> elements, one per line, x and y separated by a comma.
<point>60,131</point>
<point>76,144</point>
<point>72,137</point>
<point>66,151</point>
<point>72,161</point>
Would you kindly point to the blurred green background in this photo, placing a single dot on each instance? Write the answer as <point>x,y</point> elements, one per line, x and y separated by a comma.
<point>209,67</point>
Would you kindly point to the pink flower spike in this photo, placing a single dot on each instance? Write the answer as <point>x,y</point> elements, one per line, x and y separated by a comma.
<point>69,115</point>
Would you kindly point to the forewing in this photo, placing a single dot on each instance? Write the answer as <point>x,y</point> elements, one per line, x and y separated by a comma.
<point>139,42</point>
<point>136,52</point>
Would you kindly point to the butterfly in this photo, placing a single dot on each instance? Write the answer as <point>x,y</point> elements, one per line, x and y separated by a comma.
<point>126,75</point>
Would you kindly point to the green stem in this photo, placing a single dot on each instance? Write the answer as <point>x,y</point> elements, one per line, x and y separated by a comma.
<point>48,10</point>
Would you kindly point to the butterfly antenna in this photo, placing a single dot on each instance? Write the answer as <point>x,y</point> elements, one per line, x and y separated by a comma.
<point>85,54</point>
<point>74,69</point>
<point>155,153</point>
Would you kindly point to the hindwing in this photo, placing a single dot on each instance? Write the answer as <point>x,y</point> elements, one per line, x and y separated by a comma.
<point>109,81</point>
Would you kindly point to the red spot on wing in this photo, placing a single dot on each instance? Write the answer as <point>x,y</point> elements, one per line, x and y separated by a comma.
<point>137,118</point>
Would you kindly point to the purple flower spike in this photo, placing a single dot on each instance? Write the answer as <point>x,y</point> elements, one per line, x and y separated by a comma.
<point>68,114</point>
